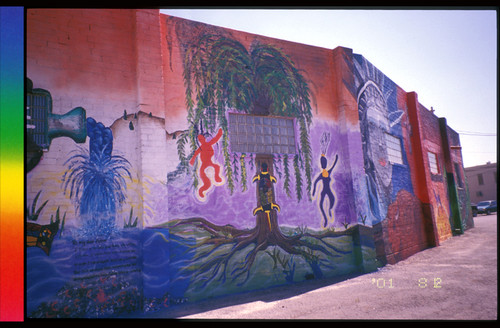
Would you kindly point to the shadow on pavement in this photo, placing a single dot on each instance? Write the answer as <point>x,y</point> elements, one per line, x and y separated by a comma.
<point>268,295</point>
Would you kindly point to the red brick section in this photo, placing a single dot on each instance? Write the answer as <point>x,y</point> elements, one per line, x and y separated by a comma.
<point>410,225</point>
<point>437,187</point>
<point>420,183</point>
<point>421,178</point>
<point>403,232</point>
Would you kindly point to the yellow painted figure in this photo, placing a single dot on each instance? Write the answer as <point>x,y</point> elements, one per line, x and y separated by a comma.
<point>265,192</point>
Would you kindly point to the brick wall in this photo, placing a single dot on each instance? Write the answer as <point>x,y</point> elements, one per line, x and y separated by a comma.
<point>83,58</point>
<point>150,85</point>
<point>419,162</point>
<point>113,61</point>
<point>107,61</point>
<point>146,146</point>
<point>403,233</point>
<point>437,188</point>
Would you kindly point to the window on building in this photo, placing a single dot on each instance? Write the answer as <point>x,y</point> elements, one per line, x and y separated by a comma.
<point>433,162</point>
<point>480,179</point>
<point>394,152</point>
<point>38,107</point>
<point>261,134</point>
<point>458,173</point>
<point>479,194</point>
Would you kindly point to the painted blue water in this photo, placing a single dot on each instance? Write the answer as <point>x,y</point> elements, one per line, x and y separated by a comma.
<point>45,275</point>
<point>162,253</point>
<point>88,277</point>
<point>132,273</point>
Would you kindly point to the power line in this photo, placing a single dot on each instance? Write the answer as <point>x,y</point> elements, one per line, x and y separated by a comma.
<point>480,152</point>
<point>478,134</point>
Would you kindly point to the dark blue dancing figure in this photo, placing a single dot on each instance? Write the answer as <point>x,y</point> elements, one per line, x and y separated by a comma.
<point>325,177</point>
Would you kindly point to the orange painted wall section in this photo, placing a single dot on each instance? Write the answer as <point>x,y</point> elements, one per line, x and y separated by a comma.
<point>108,59</point>
<point>327,94</point>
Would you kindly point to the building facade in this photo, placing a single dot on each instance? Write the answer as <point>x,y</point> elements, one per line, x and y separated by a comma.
<point>482,182</point>
<point>178,161</point>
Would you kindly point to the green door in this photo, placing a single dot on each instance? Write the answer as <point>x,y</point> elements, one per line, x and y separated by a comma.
<point>455,219</point>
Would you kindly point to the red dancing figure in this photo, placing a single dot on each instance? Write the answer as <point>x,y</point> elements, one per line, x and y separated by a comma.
<point>206,152</point>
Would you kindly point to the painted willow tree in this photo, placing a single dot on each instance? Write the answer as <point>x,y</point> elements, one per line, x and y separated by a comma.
<point>220,74</point>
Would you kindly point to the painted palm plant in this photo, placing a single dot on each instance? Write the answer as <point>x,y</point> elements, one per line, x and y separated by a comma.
<point>220,74</point>
<point>96,181</point>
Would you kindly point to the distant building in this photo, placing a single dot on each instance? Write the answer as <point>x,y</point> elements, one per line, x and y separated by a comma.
<point>482,180</point>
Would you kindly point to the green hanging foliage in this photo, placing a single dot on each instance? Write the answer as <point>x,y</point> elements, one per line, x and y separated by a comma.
<point>181,143</point>
<point>277,164</point>
<point>227,163</point>
<point>298,179</point>
<point>243,173</point>
<point>193,132</point>
<point>235,166</point>
<point>221,74</point>
<point>306,154</point>
<point>286,182</point>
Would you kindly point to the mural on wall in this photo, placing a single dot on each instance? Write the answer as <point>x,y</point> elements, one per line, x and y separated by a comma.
<point>41,236</point>
<point>206,153</point>
<point>222,74</point>
<point>91,268</point>
<point>42,126</point>
<point>267,190</point>
<point>228,219</point>
<point>441,211</point>
<point>197,246</point>
<point>266,200</point>
<point>380,124</point>
<point>209,254</point>
<point>326,178</point>
<point>95,180</point>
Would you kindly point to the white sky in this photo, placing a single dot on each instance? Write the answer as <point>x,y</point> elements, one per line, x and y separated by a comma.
<point>448,57</point>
